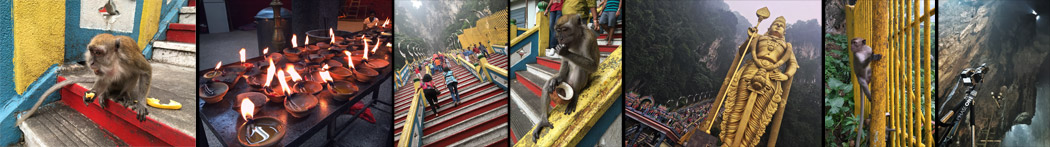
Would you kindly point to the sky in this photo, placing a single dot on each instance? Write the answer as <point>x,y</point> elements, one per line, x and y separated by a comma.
<point>791,10</point>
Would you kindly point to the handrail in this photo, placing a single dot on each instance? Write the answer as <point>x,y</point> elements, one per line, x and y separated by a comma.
<point>413,130</point>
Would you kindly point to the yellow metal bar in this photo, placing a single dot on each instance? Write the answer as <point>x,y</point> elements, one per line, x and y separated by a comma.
<point>407,130</point>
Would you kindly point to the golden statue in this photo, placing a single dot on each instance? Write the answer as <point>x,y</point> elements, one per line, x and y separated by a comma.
<point>758,91</point>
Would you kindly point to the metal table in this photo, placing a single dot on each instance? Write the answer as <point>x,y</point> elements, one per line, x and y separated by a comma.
<point>223,120</point>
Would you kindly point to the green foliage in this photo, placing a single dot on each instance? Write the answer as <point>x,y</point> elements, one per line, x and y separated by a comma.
<point>839,121</point>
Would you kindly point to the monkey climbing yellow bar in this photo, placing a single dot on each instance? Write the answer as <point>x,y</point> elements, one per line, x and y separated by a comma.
<point>902,84</point>
<point>569,129</point>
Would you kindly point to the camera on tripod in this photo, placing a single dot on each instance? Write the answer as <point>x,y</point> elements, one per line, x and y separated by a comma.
<point>972,76</point>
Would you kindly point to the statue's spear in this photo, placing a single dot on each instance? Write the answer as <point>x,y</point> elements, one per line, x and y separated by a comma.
<point>762,14</point>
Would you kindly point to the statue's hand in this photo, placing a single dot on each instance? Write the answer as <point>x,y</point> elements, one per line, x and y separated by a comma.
<point>752,31</point>
<point>779,77</point>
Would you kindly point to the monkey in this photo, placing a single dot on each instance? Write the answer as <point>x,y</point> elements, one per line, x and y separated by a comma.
<point>578,47</point>
<point>864,56</point>
<point>122,74</point>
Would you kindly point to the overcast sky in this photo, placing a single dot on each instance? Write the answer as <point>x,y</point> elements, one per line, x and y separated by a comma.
<point>792,10</point>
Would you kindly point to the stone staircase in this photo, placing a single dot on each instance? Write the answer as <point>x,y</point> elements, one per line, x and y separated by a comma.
<point>179,46</point>
<point>77,124</point>
<point>479,120</point>
<point>526,90</point>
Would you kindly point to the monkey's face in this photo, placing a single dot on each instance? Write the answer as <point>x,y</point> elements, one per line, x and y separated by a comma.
<point>857,43</point>
<point>101,52</point>
<point>570,29</point>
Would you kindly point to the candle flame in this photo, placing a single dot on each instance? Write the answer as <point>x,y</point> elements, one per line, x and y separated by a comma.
<point>266,50</point>
<point>386,22</point>
<point>284,85</point>
<point>293,41</point>
<point>217,65</point>
<point>365,41</point>
<point>307,42</point>
<point>348,60</point>
<point>269,72</point>
<point>247,108</point>
<point>389,45</point>
<point>324,74</point>
<point>242,55</point>
<point>331,34</point>
<point>290,68</point>
<point>378,41</point>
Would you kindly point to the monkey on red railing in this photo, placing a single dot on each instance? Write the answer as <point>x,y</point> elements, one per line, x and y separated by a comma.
<point>122,74</point>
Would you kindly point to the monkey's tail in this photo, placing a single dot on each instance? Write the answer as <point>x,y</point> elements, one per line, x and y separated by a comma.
<point>53,88</point>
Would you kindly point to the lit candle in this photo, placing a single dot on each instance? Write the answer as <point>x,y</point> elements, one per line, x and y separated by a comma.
<point>307,42</point>
<point>242,55</point>
<point>376,46</point>
<point>386,22</point>
<point>284,84</point>
<point>293,41</point>
<point>331,34</point>
<point>290,68</point>
<point>269,73</point>
<point>217,65</point>
<point>348,60</point>
<point>247,108</point>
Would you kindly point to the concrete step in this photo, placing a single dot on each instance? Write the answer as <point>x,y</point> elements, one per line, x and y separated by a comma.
<point>56,124</point>
<point>491,137</point>
<point>448,105</point>
<point>176,53</point>
<point>526,106</point>
<point>188,15</point>
<point>457,119</point>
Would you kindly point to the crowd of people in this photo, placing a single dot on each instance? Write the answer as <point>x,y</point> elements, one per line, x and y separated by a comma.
<point>679,120</point>
<point>438,64</point>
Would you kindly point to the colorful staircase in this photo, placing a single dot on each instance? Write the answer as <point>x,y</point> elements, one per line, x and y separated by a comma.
<point>76,124</point>
<point>479,120</point>
<point>526,84</point>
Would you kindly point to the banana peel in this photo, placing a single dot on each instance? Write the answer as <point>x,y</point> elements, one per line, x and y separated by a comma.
<point>172,104</point>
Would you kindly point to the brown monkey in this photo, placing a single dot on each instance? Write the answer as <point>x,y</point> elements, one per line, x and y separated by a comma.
<point>578,47</point>
<point>122,74</point>
<point>863,56</point>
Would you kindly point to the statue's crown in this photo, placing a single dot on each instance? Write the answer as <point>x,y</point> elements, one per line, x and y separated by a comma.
<point>780,19</point>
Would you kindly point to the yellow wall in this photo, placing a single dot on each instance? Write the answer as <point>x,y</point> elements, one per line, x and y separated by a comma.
<point>40,27</point>
<point>148,23</point>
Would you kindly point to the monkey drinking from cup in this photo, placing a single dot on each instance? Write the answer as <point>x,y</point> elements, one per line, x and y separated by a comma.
<point>863,56</point>
<point>578,47</point>
<point>121,72</point>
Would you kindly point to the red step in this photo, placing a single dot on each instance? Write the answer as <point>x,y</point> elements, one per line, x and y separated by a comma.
<point>602,36</point>
<point>467,133</point>
<point>607,48</point>
<point>447,101</point>
<point>185,33</point>
<point>464,79</point>
<point>556,65</point>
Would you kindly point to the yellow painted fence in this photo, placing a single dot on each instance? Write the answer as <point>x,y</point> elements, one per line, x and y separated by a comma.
<point>902,81</point>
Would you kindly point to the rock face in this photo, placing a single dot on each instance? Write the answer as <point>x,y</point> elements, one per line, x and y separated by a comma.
<point>1013,45</point>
